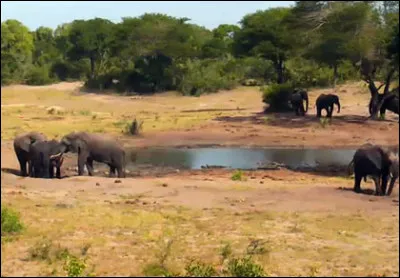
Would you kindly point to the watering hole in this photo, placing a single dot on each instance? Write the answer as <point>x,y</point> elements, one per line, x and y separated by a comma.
<point>239,158</point>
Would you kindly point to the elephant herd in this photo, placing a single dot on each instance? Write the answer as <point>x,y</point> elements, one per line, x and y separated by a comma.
<point>327,101</point>
<point>42,155</point>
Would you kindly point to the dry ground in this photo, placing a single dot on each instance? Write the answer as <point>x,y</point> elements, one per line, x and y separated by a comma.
<point>312,224</point>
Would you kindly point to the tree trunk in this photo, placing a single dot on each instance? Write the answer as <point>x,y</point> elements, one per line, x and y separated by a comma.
<point>335,75</point>
<point>279,71</point>
<point>92,65</point>
<point>376,101</point>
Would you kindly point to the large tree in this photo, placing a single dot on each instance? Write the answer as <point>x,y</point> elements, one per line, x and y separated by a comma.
<point>265,34</point>
<point>16,51</point>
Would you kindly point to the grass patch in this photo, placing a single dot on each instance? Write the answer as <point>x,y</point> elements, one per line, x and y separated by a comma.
<point>10,222</point>
<point>238,175</point>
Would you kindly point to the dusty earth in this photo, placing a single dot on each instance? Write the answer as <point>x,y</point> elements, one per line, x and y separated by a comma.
<point>314,219</point>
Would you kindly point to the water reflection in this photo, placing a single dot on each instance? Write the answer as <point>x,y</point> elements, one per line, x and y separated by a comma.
<point>238,158</point>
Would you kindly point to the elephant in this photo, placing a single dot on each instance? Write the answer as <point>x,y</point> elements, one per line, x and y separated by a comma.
<point>378,163</point>
<point>390,103</point>
<point>45,156</point>
<point>296,99</point>
<point>326,101</point>
<point>92,147</point>
<point>22,144</point>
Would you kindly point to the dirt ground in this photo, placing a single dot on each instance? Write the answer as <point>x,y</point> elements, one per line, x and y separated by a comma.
<point>312,223</point>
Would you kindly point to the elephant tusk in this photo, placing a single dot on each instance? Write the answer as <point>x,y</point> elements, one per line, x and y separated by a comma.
<point>55,155</point>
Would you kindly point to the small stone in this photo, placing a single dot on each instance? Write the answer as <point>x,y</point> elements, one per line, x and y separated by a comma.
<point>261,182</point>
<point>164,185</point>
<point>97,184</point>
<point>144,203</point>
<point>117,181</point>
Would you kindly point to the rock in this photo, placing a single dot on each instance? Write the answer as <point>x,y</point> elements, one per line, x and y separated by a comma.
<point>144,203</point>
<point>261,182</point>
<point>117,181</point>
<point>164,185</point>
<point>97,184</point>
<point>55,110</point>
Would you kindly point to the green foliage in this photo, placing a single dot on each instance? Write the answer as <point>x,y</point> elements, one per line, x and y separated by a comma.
<point>237,176</point>
<point>199,269</point>
<point>209,76</point>
<point>277,96</point>
<point>245,267</point>
<point>38,76</point>
<point>74,266</point>
<point>10,221</point>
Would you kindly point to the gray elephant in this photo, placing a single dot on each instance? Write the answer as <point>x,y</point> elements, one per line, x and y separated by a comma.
<point>390,102</point>
<point>92,147</point>
<point>22,145</point>
<point>378,163</point>
<point>45,156</point>
<point>297,101</point>
<point>326,101</point>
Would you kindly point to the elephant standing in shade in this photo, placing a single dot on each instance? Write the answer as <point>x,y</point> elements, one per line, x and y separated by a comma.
<point>92,147</point>
<point>390,103</point>
<point>45,156</point>
<point>326,101</point>
<point>22,144</point>
<point>378,163</point>
<point>296,99</point>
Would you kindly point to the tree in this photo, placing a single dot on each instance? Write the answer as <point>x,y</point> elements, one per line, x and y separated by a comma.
<point>90,39</point>
<point>265,34</point>
<point>16,51</point>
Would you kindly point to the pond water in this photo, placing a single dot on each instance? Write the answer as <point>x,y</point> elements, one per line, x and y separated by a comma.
<point>238,158</point>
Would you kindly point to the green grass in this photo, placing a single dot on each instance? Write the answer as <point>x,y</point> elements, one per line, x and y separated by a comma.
<point>10,222</point>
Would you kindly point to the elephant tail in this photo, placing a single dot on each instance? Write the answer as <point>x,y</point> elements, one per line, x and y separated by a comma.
<point>350,167</point>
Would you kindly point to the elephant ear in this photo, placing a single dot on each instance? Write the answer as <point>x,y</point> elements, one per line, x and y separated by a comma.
<point>25,144</point>
<point>77,145</point>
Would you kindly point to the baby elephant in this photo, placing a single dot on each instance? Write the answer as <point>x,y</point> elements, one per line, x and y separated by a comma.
<point>46,155</point>
<point>326,101</point>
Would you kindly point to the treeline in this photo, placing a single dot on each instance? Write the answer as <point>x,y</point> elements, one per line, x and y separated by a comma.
<point>314,43</point>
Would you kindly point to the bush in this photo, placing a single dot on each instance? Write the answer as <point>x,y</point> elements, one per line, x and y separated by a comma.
<point>245,267</point>
<point>10,222</point>
<point>277,96</point>
<point>237,176</point>
<point>38,76</point>
<point>199,269</point>
<point>208,76</point>
<point>133,128</point>
<point>306,73</point>
<point>74,266</point>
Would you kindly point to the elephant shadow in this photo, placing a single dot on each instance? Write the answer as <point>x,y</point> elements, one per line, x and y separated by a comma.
<point>18,173</point>
<point>366,191</point>
<point>11,171</point>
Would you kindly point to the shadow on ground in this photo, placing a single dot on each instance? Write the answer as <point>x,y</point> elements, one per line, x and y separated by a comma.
<point>289,120</point>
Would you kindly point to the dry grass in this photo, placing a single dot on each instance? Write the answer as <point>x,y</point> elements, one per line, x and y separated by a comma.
<point>26,109</point>
<point>130,236</point>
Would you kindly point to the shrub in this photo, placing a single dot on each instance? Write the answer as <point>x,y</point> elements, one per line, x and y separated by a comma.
<point>306,73</point>
<point>208,76</point>
<point>74,266</point>
<point>38,76</point>
<point>133,128</point>
<point>237,176</point>
<point>245,267</point>
<point>199,269</point>
<point>10,221</point>
<point>277,96</point>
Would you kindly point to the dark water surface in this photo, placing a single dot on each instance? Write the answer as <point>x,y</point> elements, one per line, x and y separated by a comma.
<point>238,158</point>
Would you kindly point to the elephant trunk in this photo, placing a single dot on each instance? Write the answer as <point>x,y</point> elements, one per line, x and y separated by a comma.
<point>349,167</point>
<point>338,105</point>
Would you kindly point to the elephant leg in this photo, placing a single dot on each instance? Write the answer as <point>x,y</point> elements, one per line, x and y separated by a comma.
<point>31,169</point>
<point>89,166</point>
<point>357,183</point>
<point>384,184</point>
<point>112,171</point>
<point>382,112</point>
<point>391,185</point>
<point>46,168</point>
<point>51,170</point>
<point>22,164</point>
<point>319,112</point>
<point>329,111</point>
<point>82,158</point>
<point>377,181</point>
<point>121,172</point>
